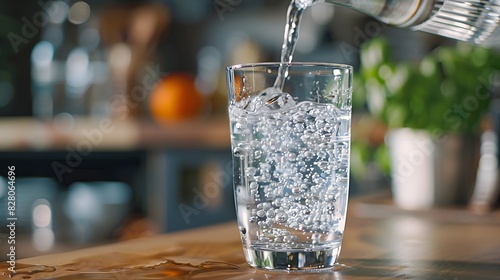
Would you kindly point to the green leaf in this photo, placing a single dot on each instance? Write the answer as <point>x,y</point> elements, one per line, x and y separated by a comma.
<point>382,158</point>
<point>421,94</point>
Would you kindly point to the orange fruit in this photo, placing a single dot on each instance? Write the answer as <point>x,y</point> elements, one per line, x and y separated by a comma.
<point>176,98</point>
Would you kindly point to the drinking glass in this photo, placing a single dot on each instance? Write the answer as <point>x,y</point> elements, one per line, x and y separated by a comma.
<point>290,150</point>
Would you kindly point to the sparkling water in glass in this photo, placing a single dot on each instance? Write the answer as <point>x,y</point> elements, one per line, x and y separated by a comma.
<point>291,151</point>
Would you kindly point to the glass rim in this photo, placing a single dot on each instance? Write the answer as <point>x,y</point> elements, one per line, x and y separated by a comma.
<point>277,64</point>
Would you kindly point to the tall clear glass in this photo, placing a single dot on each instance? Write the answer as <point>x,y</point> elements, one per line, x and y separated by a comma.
<point>291,151</point>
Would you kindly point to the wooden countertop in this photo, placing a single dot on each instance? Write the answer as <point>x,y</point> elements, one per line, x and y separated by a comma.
<point>401,245</point>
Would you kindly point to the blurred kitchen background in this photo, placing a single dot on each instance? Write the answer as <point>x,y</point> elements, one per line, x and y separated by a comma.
<point>114,112</point>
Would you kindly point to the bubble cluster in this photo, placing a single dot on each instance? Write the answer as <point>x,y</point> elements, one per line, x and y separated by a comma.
<point>292,160</point>
<point>270,99</point>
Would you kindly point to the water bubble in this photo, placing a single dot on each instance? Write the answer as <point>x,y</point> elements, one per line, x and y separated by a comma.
<point>311,201</point>
<point>308,155</point>
<point>324,227</point>
<point>321,154</point>
<point>254,143</point>
<point>323,146</point>
<point>285,202</point>
<point>299,128</point>
<point>257,154</point>
<point>269,196</point>
<point>266,206</point>
<point>281,217</point>
<point>277,202</point>
<point>316,112</point>
<point>263,239</point>
<point>296,190</point>
<point>270,99</point>
<point>243,230</point>
<point>330,197</point>
<point>261,213</point>
<point>279,101</point>
<point>254,186</point>
<point>264,178</point>
<point>322,164</point>
<point>276,193</point>
<point>239,152</point>
<point>299,117</point>
<point>238,128</point>
<point>306,136</point>
<point>265,167</point>
<point>291,156</point>
<point>316,238</point>
<point>270,213</point>
<point>289,238</point>
<point>251,171</point>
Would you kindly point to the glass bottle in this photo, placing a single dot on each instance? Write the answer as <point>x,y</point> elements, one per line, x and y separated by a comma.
<point>474,21</point>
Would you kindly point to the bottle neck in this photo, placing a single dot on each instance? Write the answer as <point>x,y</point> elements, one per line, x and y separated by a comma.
<point>400,13</point>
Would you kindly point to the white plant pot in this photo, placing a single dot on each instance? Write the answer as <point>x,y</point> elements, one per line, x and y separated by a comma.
<point>427,172</point>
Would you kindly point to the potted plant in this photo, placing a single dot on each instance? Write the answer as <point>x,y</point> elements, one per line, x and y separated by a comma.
<point>433,109</point>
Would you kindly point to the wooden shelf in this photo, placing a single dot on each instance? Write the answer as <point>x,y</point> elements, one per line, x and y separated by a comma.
<point>381,206</point>
<point>28,134</point>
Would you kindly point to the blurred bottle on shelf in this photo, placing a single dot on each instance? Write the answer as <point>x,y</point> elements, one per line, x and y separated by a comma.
<point>131,34</point>
<point>96,209</point>
<point>68,65</point>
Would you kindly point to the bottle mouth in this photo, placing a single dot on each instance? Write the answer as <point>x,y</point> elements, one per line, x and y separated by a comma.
<point>472,21</point>
<point>424,10</point>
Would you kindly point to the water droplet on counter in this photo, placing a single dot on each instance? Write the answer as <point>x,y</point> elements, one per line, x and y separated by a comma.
<point>182,262</point>
<point>24,269</point>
